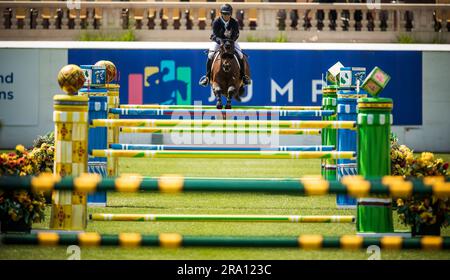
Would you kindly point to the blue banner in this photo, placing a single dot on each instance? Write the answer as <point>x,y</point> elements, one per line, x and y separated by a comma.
<point>280,77</point>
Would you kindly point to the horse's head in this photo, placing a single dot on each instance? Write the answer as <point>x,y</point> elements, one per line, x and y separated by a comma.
<point>226,64</point>
<point>227,47</point>
<point>227,55</point>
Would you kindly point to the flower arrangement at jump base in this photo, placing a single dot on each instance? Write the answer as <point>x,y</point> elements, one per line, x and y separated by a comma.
<point>404,163</point>
<point>425,214</point>
<point>20,209</point>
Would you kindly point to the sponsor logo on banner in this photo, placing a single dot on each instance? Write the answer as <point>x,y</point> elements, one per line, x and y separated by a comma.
<point>166,83</point>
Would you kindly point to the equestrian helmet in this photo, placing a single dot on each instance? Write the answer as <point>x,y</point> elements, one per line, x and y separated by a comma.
<point>226,9</point>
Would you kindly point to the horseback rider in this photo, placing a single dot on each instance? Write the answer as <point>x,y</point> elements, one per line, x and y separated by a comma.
<point>224,28</point>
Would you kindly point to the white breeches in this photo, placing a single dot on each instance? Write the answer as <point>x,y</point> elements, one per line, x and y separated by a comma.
<point>214,47</point>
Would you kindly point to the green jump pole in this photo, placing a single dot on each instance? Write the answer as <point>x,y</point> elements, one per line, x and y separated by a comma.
<point>374,214</point>
<point>223,154</point>
<point>220,218</point>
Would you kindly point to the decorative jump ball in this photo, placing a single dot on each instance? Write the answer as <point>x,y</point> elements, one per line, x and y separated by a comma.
<point>111,70</point>
<point>71,79</point>
<point>332,73</point>
<point>376,81</point>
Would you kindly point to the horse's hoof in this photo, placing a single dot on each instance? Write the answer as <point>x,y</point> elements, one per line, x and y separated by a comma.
<point>219,106</point>
<point>228,106</point>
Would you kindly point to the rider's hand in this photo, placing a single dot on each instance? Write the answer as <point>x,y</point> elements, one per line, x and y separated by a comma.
<point>227,33</point>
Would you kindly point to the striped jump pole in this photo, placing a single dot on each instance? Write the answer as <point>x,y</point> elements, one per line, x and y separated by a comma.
<point>224,130</point>
<point>351,185</point>
<point>176,240</point>
<point>221,113</point>
<point>220,218</point>
<point>213,107</point>
<point>217,148</point>
<point>223,154</point>
<point>156,123</point>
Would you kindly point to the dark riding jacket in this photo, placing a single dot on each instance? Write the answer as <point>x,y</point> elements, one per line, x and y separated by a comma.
<point>218,27</point>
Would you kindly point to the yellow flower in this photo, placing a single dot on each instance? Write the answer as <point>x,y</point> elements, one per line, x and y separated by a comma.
<point>14,217</point>
<point>20,148</point>
<point>425,215</point>
<point>394,155</point>
<point>21,196</point>
<point>400,202</point>
<point>404,149</point>
<point>409,159</point>
<point>425,156</point>
<point>28,169</point>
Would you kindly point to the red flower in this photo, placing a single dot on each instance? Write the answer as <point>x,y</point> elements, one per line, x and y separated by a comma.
<point>445,166</point>
<point>20,161</point>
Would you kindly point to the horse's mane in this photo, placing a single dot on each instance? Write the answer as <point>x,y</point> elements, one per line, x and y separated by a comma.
<point>227,56</point>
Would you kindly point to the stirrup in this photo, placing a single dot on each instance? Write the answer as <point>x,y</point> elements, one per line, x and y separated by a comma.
<point>204,81</point>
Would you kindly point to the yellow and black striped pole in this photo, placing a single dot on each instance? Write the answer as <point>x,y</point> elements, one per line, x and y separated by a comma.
<point>68,210</point>
<point>176,240</point>
<point>113,132</point>
<point>355,186</point>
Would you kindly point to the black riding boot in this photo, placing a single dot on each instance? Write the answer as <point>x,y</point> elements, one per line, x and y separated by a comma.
<point>245,78</point>
<point>205,79</point>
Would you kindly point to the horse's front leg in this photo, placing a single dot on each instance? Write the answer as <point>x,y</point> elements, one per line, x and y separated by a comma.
<point>230,93</point>
<point>218,94</point>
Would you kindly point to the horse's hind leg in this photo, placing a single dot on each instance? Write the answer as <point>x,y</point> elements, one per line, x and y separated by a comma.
<point>231,92</point>
<point>218,94</point>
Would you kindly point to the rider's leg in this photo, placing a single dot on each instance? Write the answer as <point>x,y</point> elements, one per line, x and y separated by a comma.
<point>245,78</point>
<point>205,79</point>
<point>208,67</point>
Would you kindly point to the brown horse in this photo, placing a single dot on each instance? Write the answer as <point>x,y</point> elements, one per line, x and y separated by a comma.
<point>225,75</point>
